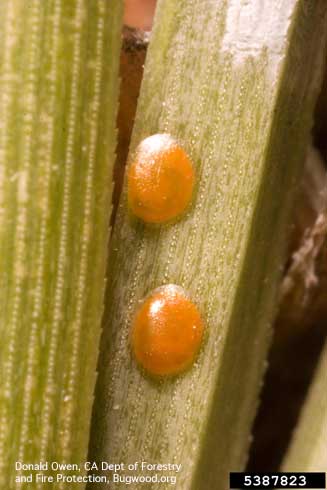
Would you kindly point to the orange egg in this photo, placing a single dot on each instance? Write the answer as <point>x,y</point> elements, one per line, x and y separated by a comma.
<point>160,180</point>
<point>167,332</point>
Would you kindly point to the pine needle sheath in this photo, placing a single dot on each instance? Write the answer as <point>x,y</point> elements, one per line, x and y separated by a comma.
<point>308,451</point>
<point>58,99</point>
<point>235,82</point>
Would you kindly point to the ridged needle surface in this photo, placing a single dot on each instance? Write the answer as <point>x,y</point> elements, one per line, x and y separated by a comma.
<point>235,83</point>
<point>58,98</point>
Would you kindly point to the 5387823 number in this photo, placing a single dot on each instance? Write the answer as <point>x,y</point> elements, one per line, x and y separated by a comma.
<point>267,480</point>
<point>277,480</point>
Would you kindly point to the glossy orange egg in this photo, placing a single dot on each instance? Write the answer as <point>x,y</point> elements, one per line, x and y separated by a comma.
<point>160,180</point>
<point>167,332</point>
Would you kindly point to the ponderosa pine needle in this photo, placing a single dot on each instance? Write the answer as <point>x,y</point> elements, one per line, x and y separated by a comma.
<point>235,83</point>
<point>58,99</point>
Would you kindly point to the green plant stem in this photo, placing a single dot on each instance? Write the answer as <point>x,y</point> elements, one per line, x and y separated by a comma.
<point>307,451</point>
<point>58,100</point>
<point>236,84</point>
